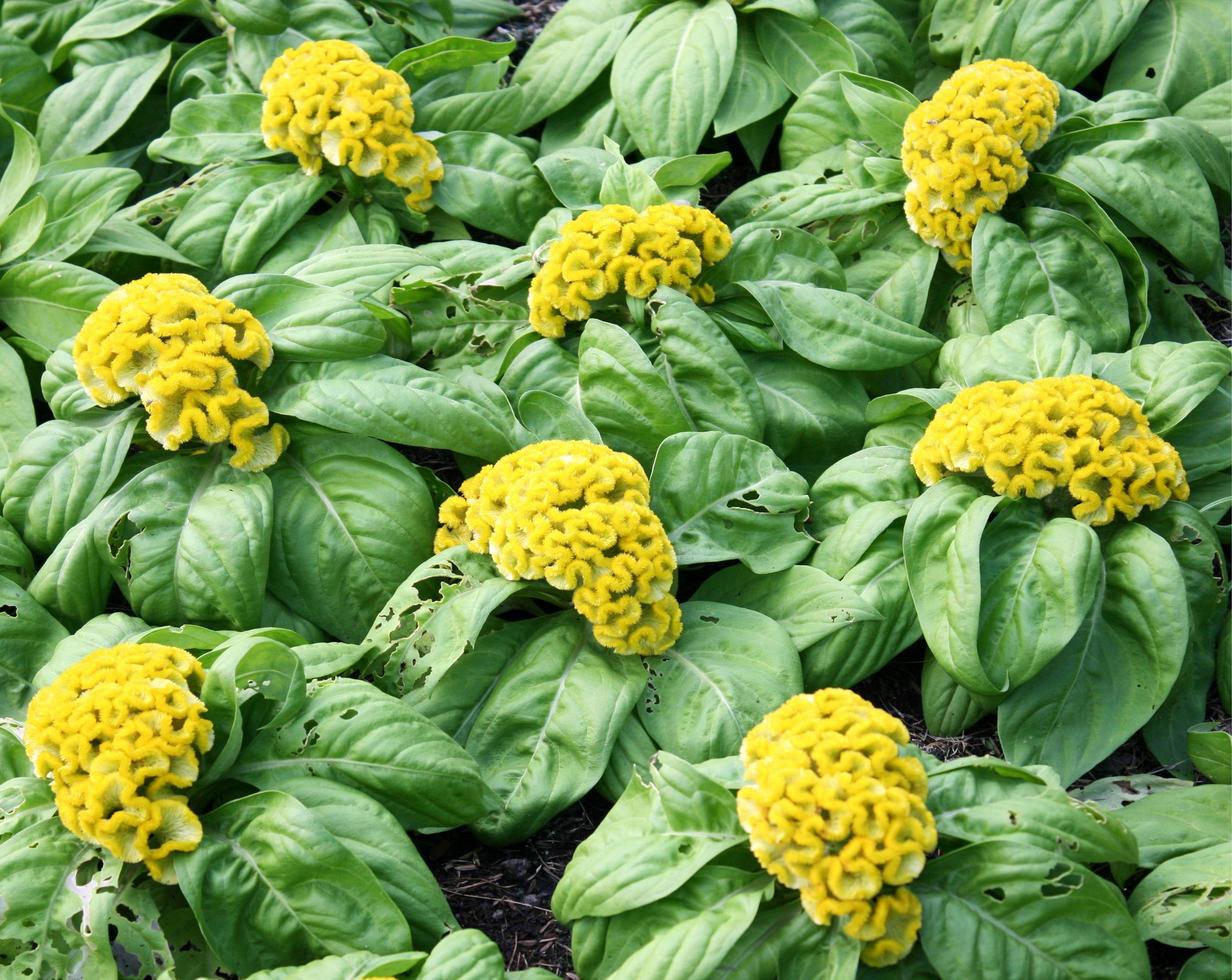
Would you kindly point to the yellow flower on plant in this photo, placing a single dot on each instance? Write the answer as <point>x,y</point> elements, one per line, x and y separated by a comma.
<point>835,810</point>
<point>964,150</point>
<point>164,338</point>
<point>577,515</point>
<point>121,733</point>
<point>615,247</point>
<point>1075,435</point>
<point>327,100</point>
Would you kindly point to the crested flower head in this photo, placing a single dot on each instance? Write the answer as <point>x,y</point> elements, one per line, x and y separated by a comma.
<point>1077,436</point>
<point>615,247</point>
<point>121,733</point>
<point>167,340</point>
<point>327,100</point>
<point>834,809</point>
<point>964,150</point>
<point>576,515</point>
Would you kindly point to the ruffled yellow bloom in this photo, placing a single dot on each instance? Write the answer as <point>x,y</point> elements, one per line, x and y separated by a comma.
<point>834,810</point>
<point>577,515</point>
<point>965,149</point>
<point>1077,435</point>
<point>167,340</point>
<point>121,733</point>
<point>327,100</point>
<point>600,252</point>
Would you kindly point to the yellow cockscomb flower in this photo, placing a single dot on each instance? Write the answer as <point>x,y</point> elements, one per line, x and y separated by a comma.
<point>577,515</point>
<point>615,247</point>
<point>167,340</point>
<point>121,733</point>
<point>327,100</point>
<point>834,810</point>
<point>1076,435</point>
<point>964,150</point>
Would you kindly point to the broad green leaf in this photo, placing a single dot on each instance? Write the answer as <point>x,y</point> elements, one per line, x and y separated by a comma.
<point>724,496</point>
<point>801,52</point>
<point>1117,669</point>
<point>1212,110</point>
<point>730,668</point>
<point>467,954</point>
<point>1049,262</point>
<point>21,167</point>
<point>348,966</point>
<point>656,837</point>
<point>213,127</point>
<point>352,733</point>
<point>257,16</point>
<point>1037,346</point>
<point>293,889</point>
<point>1210,751</point>
<point>628,401</point>
<point>543,736</point>
<point>21,229</point>
<point>16,562</point>
<point>784,942</point>
<point>74,582</point>
<point>949,708</point>
<point>1172,51</point>
<point>360,271</point>
<point>116,18</point>
<point>26,80</point>
<point>118,235</point>
<point>1008,908</point>
<point>28,637</point>
<point>880,43</point>
<point>490,182</point>
<point>1177,820</point>
<point>80,115</point>
<point>549,416</point>
<point>1187,900</point>
<point>188,540</point>
<point>669,74</point>
<point>78,202</point>
<point>1206,964</point>
<point>573,49</point>
<point>838,330</point>
<point>16,404</point>
<point>754,89</point>
<point>447,54</point>
<point>1170,380</point>
<point>353,519</point>
<point>266,214</point>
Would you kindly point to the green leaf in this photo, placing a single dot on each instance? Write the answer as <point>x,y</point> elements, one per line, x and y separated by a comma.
<point>398,402</point>
<point>730,667</point>
<point>29,636</point>
<point>1170,380</point>
<point>801,52</point>
<point>1007,908</point>
<point>360,271</point>
<point>838,330</point>
<point>715,387</point>
<point>21,168</point>
<point>257,16</point>
<point>447,54</point>
<point>549,416</point>
<point>1212,110</point>
<point>21,229</point>
<point>1210,751</point>
<point>754,89</point>
<point>82,114</point>
<point>187,540</point>
<point>724,496</point>
<point>293,889</point>
<point>266,214</point>
<point>809,603</point>
<point>369,831</point>
<point>1170,52</point>
<point>16,404</point>
<point>573,49</point>
<point>26,81</point>
<point>543,736</point>
<point>1049,262</point>
<point>74,582</point>
<point>213,127</point>
<point>349,966</point>
<point>490,182</point>
<point>1175,821</point>
<point>109,19</point>
<point>59,474</point>
<point>1187,900</point>
<point>78,202</point>
<point>16,562</point>
<point>949,708</point>
<point>628,401</point>
<point>1207,964</point>
<point>669,75</point>
<point>1036,346</point>
<point>353,519</point>
<point>464,955</point>
<point>352,733</point>
<point>880,43</point>
<point>657,836</point>
<point>1117,669</point>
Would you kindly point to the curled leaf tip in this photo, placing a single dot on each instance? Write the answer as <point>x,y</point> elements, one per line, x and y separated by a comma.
<point>165,339</point>
<point>577,515</point>
<point>615,247</point>
<point>964,150</point>
<point>121,733</point>
<point>834,809</point>
<point>329,101</point>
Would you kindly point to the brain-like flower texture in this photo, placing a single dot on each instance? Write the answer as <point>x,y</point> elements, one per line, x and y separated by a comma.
<point>615,247</point>
<point>327,100</point>
<point>834,809</point>
<point>1075,435</point>
<point>577,515</point>
<point>964,150</point>
<point>167,340</point>
<point>121,733</point>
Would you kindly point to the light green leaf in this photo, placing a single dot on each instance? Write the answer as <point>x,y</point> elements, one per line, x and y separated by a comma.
<point>1177,820</point>
<point>16,404</point>
<point>1172,51</point>
<point>490,182</point>
<point>29,636</point>
<point>266,214</point>
<point>801,52</point>
<point>1187,900</point>
<point>78,202</point>
<point>1210,751</point>
<point>214,127</point>
<point>754,89</point>
<point>464,955</point>
<point>21,168</point>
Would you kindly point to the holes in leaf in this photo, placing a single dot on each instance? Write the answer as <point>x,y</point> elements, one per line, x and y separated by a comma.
<point>709,619</point>
<point>349,714</point>
<point>1150,72</point>
<point>8,610</point>
<point>1061,880</point>
<point>995,893</point>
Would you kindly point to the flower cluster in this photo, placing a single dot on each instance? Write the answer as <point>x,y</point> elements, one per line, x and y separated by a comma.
<point>577,515</point>
<point>1075,434</point>
<point>600,252</point>
<point>166,339</point>
<point>833,809</point>
<point>327,100</point>
<point>964,150</point>
<point>120,733</point>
